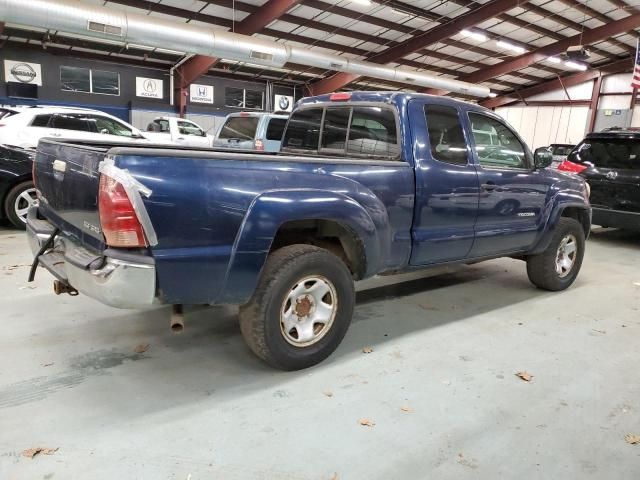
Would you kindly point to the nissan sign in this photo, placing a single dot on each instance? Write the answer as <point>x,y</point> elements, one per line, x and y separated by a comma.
<point>22,72</point>
<point>149,87</point>
<point>200,93</point>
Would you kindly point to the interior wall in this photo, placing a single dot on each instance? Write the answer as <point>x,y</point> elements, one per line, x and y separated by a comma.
<point>541,126</point>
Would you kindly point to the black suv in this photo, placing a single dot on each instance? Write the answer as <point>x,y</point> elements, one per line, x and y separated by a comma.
<point>610,162</point>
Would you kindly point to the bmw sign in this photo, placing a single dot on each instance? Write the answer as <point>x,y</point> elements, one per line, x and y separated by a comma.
<point>283,103</point>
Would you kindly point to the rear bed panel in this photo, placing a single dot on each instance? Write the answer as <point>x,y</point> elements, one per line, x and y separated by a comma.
<point>69,192</point>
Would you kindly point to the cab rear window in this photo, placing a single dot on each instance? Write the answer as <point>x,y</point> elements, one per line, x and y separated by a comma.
<point>358,131</point>
<point>242,128</point>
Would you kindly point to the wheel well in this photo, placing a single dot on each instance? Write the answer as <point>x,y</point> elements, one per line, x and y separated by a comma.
<point>579,214</point>
<point>328,234</point>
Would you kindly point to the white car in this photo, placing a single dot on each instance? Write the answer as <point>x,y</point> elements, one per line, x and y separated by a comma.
<point>26,128</point>
<point>178,131</point>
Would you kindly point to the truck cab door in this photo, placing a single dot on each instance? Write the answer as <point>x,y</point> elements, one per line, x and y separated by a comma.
<point>512,192</point>
<point>447,187</point>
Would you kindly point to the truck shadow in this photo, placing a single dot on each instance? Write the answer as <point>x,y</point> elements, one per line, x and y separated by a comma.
<point>614,236</point>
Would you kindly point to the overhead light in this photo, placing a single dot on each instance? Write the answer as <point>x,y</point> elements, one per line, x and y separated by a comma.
<point>362,2</point>
<point>481,37</point>
<point>575,65</point>
<point>553,60</point>
<point>493,94</point>
<point>510,46</point>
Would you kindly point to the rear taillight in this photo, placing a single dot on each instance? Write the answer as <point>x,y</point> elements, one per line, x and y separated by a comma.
<point>259,145</point>
<point>567,166</point>
<point>118,218</point>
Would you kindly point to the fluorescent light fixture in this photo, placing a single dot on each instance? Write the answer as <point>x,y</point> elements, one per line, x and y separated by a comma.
<point>553,60</point>
<point>575,65</point>
<point>510,46</point>
<point>363,2</point>
<point>481,37</point>
<point>493,94</point>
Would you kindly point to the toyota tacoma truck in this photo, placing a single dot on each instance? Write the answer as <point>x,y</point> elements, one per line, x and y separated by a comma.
<point>367,183</point>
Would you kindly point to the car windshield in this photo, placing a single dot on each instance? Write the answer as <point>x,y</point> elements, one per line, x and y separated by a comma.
<point>562,149</point>
<point>243,128</point>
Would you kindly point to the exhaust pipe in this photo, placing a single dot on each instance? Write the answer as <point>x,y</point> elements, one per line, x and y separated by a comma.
<point>177,319</point>
<point>60,287</point>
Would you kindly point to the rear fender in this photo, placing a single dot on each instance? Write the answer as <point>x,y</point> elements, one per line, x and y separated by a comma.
<point>272,209</point>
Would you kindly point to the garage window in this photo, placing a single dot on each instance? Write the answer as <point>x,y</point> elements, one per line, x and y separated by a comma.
<point>86,80</point>
<point>243,98</point>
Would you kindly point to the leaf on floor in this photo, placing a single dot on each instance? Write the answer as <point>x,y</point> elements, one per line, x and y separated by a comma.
<point>13,267</point>
<point>327,393</point>
<point>47,364</point>
<point>141,348</point>
<point>424,306</point>
<point>367,350</point>
<point>599,331</point>
<point>632,438</point>
<point>526,376</point>
<point>334,477</point>
<point>406,409</point>
<point>32,452</point>
<point>365,422</point>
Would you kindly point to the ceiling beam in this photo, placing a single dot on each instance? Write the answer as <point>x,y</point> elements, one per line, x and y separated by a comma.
<point>567,81</point>
<point>420,41</point>
<point>198,65</point>
<point>526,59</point>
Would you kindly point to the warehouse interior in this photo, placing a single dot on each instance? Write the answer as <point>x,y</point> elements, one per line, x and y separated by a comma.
<point>459,370</point>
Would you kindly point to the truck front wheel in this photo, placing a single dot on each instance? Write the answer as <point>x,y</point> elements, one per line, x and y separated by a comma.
<point>557,267</point>
<point>301,308</point>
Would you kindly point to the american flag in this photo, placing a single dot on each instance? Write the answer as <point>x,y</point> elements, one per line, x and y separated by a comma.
<point>635,79</point>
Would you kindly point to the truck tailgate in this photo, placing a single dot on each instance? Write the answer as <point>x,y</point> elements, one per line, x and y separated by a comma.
<point>67,178</point>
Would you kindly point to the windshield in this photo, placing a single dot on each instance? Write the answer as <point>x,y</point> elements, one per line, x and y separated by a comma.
<point>243,128</point>
<point>562,149</point>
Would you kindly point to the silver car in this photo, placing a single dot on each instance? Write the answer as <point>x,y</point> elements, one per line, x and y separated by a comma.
<point>251,131</point>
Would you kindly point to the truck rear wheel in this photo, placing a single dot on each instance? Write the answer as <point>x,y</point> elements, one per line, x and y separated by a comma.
<point>17,203</point>
<point>557,267</point>
<point>301,308</point>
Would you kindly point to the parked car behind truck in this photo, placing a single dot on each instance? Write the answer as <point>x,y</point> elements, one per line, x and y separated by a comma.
<point>284,236</point>
<point>257,131</point>
<point>178,131</point>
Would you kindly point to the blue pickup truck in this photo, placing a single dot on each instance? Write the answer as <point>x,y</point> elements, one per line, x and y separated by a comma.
<point>366,183</point>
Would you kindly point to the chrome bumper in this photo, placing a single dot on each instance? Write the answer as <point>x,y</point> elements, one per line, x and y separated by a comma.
<point>120,283</point>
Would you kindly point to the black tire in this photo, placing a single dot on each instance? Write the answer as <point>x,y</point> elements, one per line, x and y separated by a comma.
<point>541,268</point>
<point>10,200</point>
<point>260,318</point>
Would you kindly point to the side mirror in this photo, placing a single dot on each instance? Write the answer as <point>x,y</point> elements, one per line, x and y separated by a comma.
<point>542,157</point>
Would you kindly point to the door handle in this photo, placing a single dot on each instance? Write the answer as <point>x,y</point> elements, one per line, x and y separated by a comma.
<point>489,186</point>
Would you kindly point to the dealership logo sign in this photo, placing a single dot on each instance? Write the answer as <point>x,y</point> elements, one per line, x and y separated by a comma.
<point>200,93</point>
<point>283,103</point>
<point>22,72</point>
<point>149,87</point>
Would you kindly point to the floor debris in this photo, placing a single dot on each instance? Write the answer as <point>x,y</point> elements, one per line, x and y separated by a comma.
<point>32,452</point>
<point>526,376</point>
<point>365,422</point>
<point>141,348</point>
<point>367,350</point>
<point>327,393</point>
<point>632,438</point>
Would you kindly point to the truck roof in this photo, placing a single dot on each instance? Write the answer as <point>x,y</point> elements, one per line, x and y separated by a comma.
<point>393,97</point>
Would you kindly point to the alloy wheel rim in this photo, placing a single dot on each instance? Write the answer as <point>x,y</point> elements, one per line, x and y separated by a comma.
<point>23,202</point>
<point>308,311</point>
<point>566,255</point>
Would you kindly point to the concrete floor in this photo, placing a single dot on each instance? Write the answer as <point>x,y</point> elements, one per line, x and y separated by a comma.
<point>439,384</point>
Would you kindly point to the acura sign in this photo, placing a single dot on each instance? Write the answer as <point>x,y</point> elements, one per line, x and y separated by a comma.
<point>149,87</point>
<point>22,72</point>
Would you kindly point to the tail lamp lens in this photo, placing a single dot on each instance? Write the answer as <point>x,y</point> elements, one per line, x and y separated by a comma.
<point>118,218</point>
<point>567,166</point>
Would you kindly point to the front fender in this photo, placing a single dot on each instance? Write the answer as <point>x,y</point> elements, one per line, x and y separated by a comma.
<point>272,209</point>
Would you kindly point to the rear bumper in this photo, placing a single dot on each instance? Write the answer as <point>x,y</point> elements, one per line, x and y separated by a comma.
<point>616,219</point>
<point>126,282</point>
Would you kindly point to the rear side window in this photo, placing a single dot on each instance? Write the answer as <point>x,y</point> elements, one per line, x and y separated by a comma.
<point>562,150</point>
<point>445,135</point>
<point>242,128</point>
<point>109,126</point>
<point>71,122</point>
<point>188,128</point>
<point>303,130</point>
<point>275,129</point>
<point>373,132</point>
<point>336,127</point>
<point>41,121</point>
<point>158,126</point>
<point>608,153</point>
